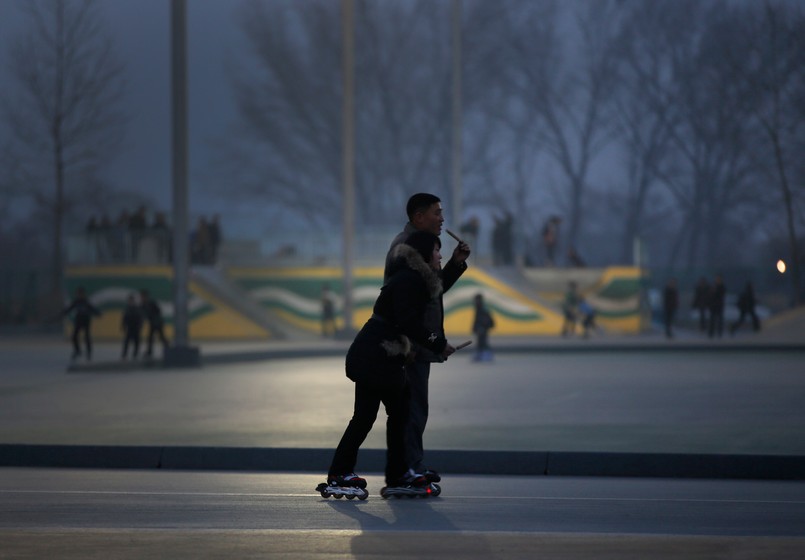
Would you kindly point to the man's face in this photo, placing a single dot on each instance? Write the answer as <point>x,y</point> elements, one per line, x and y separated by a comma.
<point>430,220</point>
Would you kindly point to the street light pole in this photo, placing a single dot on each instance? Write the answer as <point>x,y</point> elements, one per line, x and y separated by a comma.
<point>457,144</point>
<point>348,154</point>
<point>180,354</point>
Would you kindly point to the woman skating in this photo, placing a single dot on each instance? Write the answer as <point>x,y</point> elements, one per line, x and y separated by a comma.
<point>375,362</point>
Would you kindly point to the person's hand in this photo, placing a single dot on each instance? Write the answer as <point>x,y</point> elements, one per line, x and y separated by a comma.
<point>448,350</point>
<point>461,252</point>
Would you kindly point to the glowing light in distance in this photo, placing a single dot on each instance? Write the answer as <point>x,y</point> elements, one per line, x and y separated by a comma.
<point>781,266</point>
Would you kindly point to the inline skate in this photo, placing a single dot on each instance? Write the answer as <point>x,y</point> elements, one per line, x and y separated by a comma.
<point>351,485</point>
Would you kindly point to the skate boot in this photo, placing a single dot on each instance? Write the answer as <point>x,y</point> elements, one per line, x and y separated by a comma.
<point>350,485</point>
<point>432,477</point>
<point>410,486</point>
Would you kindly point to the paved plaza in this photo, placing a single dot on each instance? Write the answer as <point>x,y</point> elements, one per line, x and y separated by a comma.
<point>625,395</point>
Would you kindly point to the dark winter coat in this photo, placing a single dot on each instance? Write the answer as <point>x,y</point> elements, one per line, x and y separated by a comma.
<point>434,314</point>
<point>483,321</point>
<point>384,344</point>
<point>152,313</point>
<point>746,301</point>
<point>132,321</point>
<point>82,311</point>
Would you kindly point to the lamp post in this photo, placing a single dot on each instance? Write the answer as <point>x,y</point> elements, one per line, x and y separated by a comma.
<point>348,155</point>
<point>457,145</point>
<point>180,354</point>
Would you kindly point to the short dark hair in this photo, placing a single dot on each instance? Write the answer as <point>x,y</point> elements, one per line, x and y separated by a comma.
<point>420,202</point>
<point>424,242</point>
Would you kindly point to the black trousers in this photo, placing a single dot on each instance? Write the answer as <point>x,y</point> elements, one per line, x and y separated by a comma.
<point>132,336</point>
<point>391,390</point>
<point>155,330</point>
<point>417,420</point>
<point>79,327</point>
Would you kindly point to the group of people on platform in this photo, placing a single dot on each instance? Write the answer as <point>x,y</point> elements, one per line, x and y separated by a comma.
<point>130,239</point>
<point>709,301</point>
<point>503,241</point>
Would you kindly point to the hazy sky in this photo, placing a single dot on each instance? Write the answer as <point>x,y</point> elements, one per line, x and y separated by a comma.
<point>140,29</point>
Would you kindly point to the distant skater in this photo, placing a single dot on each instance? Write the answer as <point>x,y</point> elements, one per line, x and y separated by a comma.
<point>570,309</point>
<point>587,315</point>
<point>132,325</point>
<point>670,303</point>
<point>701,297</point>
<point>327,311</point>
<point>153,314</point>
<point>718,293</point>
<point>481,326</point>
<point>746,306</point>
<point>82,311</point>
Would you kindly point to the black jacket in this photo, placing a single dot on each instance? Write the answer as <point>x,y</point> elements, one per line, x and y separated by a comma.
<point>434,314</point>
<point>82,311</point>
<point>385,341</point>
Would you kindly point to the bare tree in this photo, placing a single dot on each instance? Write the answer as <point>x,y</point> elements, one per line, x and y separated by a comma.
<point>567,91</point>
<point>62,109</point>
<point>766,54</point>
<point>641,120</point>
<point>705,168</point>
<point>502,173</point>
<point>287,142</point>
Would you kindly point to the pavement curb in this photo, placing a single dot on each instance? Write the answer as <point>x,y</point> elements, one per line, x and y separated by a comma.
<point>222,358</point>
<point>528,463</point>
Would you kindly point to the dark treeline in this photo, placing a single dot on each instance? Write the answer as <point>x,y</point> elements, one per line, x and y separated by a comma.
<point>676,121</point>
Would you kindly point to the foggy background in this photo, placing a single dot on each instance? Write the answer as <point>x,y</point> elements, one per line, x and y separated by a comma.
<point>678,123</point>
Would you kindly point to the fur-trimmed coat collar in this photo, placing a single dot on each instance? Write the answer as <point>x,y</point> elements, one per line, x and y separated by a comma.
<point>405,255</point>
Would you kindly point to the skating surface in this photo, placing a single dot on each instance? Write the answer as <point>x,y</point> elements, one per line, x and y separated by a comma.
<point>71,514</point>
<point>721,402</point>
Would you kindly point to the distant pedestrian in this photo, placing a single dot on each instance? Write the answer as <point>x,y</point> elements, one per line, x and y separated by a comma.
<point>153,314</point>
<point>701,301</point>
<point>200,242</point>
<point>570,309</point>
<point>162,234</point>
<point>132,325</point>
<point>670,303</point>
<point>328,327</point>
<point>502,241</point>
<point>718,293</point>
<point>746,306</point>
<point>587,315</point>
<point>550,239</point>
<point>137,226</point>
<point>82,312</point>
<point>481,325</point>
<point>574,259</point>
<point>215,238</point>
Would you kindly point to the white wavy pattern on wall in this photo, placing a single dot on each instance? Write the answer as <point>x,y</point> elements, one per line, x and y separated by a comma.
<point>307,306</point>
<point>492,298</point>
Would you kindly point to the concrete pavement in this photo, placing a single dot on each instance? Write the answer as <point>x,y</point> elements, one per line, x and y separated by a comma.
<point>114,414</point>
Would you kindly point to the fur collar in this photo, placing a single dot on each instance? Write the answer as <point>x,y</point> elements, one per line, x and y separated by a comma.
<point>413,260</point>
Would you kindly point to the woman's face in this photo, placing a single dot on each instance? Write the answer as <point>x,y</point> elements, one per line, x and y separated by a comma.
<point>436,258</point>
